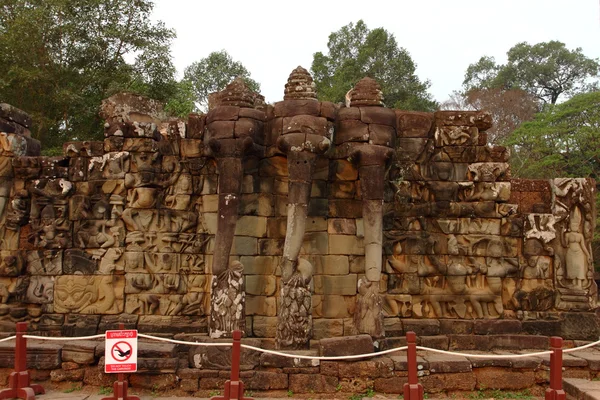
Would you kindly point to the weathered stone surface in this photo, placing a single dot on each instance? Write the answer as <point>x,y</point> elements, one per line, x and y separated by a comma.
<point>496,378</point>
<point>39,355</point>
<point>583,326</point>
<point>344,346</point>
<point>80,352</point>
<point>312,383</point>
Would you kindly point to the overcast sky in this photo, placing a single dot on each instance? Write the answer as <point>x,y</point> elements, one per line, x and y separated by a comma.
<point>443,37</point>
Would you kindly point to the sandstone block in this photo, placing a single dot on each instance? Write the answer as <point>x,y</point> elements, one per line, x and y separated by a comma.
<point>327,328</point>
<point>248,225</point>
<point>336,284</point>
<point>260,285</point>
<point>261,305</point>
<point>346,244</point>
<point>379,367</point>
<point>345,346</point>
<point>312,383</point>
<point>501,378</point>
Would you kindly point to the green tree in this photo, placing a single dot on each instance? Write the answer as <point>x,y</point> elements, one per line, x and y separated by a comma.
<point>60,58</point>
<point>183,101</point>
<point>213,73</point>
<point>546,70</point>
<point>355,51</point>
<point>562,140</point>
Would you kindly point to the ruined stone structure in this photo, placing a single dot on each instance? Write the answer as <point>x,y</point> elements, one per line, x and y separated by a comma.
<point>294,221</point>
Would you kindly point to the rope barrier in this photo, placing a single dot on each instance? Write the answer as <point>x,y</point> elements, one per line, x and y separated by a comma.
<point>58,338</point>
<point>494,356</point>
<point>320,358</point>
<point>583,347</point>
<point>184,342</point>
<point>324,358</point>
<point>7,339</point>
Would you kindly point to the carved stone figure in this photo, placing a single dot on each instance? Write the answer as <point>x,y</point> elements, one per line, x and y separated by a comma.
<point>233,125</point>
<point>303,138</point>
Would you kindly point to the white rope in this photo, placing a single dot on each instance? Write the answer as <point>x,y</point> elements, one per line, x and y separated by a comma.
<point>496,356</point>
<point>7,339</point>
<point>585,346</point>
<point>183,342</point>
<point>323,358</point>
<point>58,338</point>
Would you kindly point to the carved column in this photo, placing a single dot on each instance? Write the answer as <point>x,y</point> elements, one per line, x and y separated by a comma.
<point>371,138</point>
<point>232,127</point>
<point>306,134</point>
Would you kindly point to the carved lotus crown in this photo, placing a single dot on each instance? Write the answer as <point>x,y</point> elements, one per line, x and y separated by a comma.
<point>366,92</point>
<point>300,86</point>
<point>237,93</point>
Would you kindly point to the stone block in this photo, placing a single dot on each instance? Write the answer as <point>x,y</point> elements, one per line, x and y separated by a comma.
<point>40,355</point>
<point>261,305</point>
<point>264,380</point>
<point>437,383</point>
<point>259,265</point>
<point>336,284</point>
<point>264,327</point>
<point>379,367</point>
<point>456,326</point>
<point>496,326</point>
<point>341,226</point>
<point>260,285</point>
<point>346,244</point>
<point>329,265</point>
<point>312,383</point>
<point>248,225</point>
<point>256,204</point>
<point>503,379</point>
<point>315,243</point>
<point>392,385</point>
<point>443,363</point>
<point>541,327</point>
<point>579,325</point>
<point>333,306</point>
<point>327,328</point>
<point>80,352</point>
<point>244,246</point>
<point>422,327</point>
<point>346,346</point>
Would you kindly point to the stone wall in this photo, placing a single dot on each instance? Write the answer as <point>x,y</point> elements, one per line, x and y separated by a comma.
<point>294,221</point>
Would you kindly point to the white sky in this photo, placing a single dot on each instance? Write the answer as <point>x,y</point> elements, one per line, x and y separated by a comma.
<point>271,38</point>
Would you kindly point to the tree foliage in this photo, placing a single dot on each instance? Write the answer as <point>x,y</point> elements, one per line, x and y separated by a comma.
<point>60,58</point>
<point>545,70</point>
<point>355,51</point>
<point>213,73</point>
<point>562,140</point>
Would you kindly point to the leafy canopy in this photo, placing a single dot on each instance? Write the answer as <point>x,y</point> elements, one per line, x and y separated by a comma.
<point>213,73</point>
<point>545,70</point>
<point>60,58</point>
<point>355,51</point>
<point>562,140</point>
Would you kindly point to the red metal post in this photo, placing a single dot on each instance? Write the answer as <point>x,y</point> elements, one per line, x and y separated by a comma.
<point>234,388</point>
<point>413,390</point>
<point>19,385</point>
<point>121,385</point>
<point>555,391</point>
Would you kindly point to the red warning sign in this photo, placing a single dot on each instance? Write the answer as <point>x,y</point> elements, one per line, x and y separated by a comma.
<point>120,351</point>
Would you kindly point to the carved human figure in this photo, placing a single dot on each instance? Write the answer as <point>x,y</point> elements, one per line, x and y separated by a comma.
<point>577,257</point>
